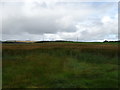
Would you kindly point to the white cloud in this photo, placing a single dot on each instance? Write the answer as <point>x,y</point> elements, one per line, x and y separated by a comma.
<point>106,19</point>
<point>35,19</point>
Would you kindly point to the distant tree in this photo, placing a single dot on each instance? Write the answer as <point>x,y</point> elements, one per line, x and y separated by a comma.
<point>105,41</point>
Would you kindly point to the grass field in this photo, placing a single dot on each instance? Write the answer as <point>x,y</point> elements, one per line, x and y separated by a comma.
<point>60,65</point>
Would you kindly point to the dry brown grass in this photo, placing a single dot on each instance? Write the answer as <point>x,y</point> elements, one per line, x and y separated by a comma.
<point>58,45</point>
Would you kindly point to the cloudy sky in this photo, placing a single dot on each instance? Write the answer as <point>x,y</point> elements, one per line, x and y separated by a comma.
<point>59,20</point>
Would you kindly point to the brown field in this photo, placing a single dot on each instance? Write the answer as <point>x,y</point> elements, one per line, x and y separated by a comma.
<point>58,45</point>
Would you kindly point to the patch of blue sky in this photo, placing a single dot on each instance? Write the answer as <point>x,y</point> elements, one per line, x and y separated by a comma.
<point>111,11</point>
<point>95,4</point>
<point>110,8</point>
<point>112,37</point>
<point>119,7</point>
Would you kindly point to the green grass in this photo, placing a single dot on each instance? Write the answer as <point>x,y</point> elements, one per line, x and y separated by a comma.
<point>60,68</point>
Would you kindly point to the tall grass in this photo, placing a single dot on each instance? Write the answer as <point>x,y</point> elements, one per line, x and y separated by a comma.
<point>59,67</point>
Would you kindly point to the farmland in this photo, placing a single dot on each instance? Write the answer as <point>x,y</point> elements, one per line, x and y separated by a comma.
<point>60,65</point>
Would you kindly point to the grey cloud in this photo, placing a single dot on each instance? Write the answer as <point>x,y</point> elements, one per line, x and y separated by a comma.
<point>34,25</point>
<point>94,30</point>
<point>61,22</point>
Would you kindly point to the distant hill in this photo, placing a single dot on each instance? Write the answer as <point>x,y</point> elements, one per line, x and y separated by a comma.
<point>52,41</point>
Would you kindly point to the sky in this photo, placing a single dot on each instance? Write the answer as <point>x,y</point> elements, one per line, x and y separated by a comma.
<point>71,20</point>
